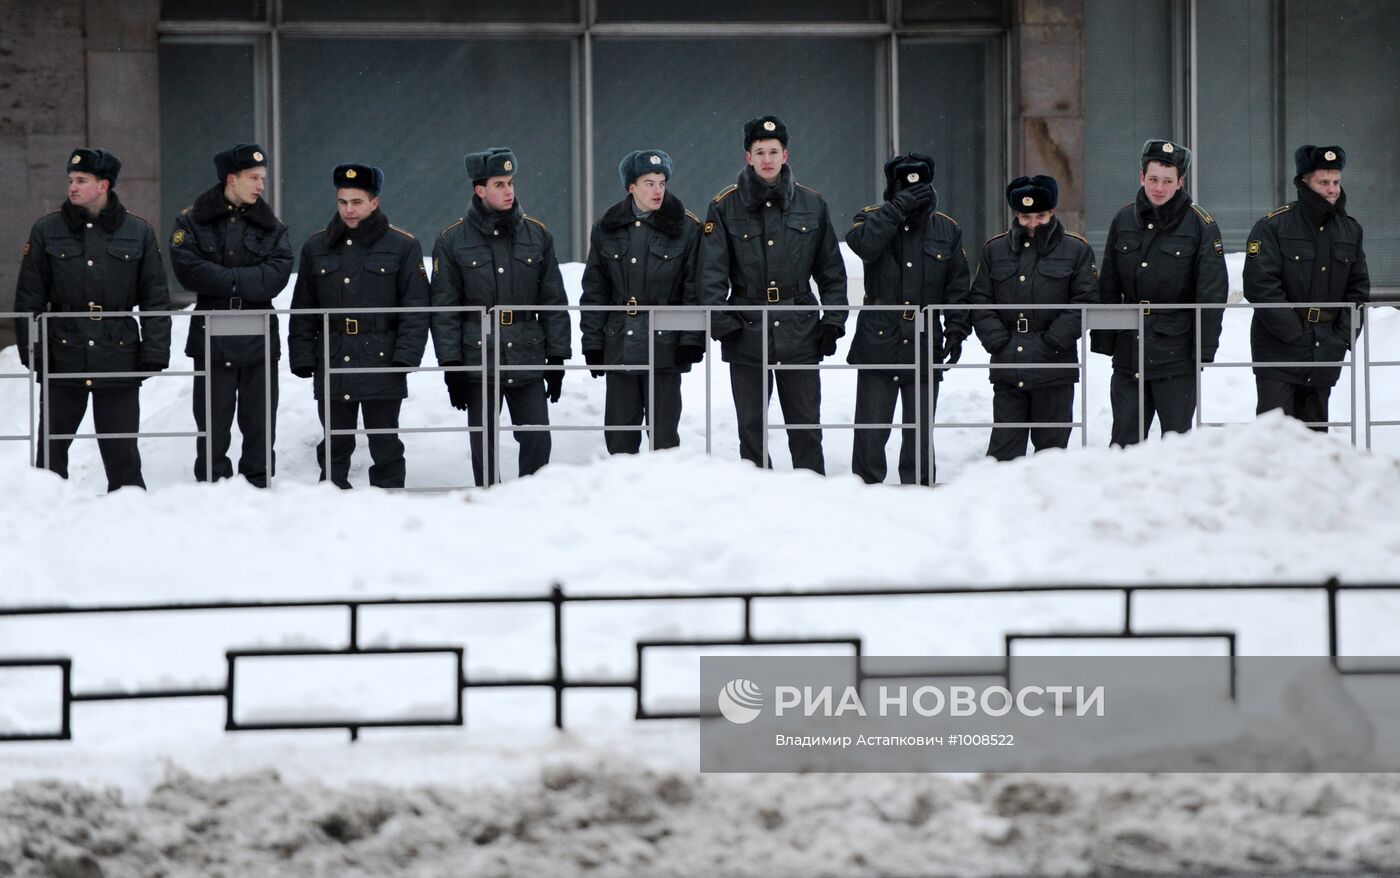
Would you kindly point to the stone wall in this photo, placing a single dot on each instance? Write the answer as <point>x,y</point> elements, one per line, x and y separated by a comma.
<point>1049,92</point>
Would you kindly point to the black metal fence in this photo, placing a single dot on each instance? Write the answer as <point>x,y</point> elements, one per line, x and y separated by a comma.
<point>559,682</point>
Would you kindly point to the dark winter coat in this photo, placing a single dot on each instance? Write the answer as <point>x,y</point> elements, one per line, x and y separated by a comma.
<point>1306,251</point>
<point>1054,267</point>
<point>1163,256</point>
<point>372,266</point>
<point>914,261</point>
<point>504,262</point>
<point>232,258</point>
<point>758,237</point>
<point>89,265</point>
<point>646,261</point>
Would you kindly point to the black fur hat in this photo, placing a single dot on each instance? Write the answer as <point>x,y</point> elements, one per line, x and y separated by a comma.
<point>98,162</point>
<point>366,177</point>
<point>239,157</point>
<point>903,171</point>
<point>643,161</point>
<point>494,161</point>
<point>765,128</point>
<point>1033,194</point>
<point>1311,158</point>
<point>1168,153</point>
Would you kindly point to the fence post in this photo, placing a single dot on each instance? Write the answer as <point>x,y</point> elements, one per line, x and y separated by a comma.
<point>556,600</point>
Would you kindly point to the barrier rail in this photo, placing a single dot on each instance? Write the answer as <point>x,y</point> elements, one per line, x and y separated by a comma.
<point>927,362</point>
<point>559,682</point>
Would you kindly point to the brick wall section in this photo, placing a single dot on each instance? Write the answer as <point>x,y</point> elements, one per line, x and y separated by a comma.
<point>1049,40</point>
<point>73,73</point>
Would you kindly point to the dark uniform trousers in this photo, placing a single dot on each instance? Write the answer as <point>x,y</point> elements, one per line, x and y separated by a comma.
<point>628,404</point>
<point>243,389</point>
<point>527,406</point>
<point>1048,405</point>
<point>876,394</point>
<point>114,410</point>
<point>385,449</point>
<point>799,394</point>
<point>1302,401</point>
<point>1171,400</point>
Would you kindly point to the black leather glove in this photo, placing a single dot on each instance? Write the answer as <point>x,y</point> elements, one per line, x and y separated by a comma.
<point>952,349</point>
<point>594,358</point>
<point>458,385</point>
<point>830,332</point>
<point>554,379</point>
<point>911,200</point>
<point>731,335</point>
<point>689,354</point>
<point>303,371</point>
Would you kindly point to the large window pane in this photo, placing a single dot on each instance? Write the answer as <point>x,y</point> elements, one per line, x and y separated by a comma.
<point>945,11</point>
<point>1238,175</point>
<point>1341,87</point>
<point>430,10</point>
<point>742,10</point>
<point>1127,97</point>
<point>415,108</point>
<point>950,107</point>
<point>200,116</point>
<point>825,93</point>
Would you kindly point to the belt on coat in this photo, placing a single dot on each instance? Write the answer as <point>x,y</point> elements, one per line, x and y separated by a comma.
<point>357,325</point>
<point>506,316</point>
<point>769,295</point>
<point>229,303</point>
<point>1317,315</point>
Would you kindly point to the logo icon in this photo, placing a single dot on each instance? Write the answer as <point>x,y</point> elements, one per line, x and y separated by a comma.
<point>740,701</point>
<point>1027,201</point>
<point>1168,148</point>
<point>656,159</point>
<point>1330,156</point>
<point>913,178</point>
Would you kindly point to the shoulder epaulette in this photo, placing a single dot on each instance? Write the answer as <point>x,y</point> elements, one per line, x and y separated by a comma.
<point>810,189</point>
<point>1204,214</point>
<point>994,237</point>
<point>140,217</point>
<point>459,221</point>
<point>536,222</point>
<point>407,234</point>
<point>871,209</point>
<point>693,218</point>
<point>1080,237</point>
<point>1278,210</point>
<point>946,217</point>
<point>187,210</point>
<point>725,193</point>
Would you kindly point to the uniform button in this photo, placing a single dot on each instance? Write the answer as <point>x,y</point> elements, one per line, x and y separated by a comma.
<point>1026,244</point>
<point>767,204</point>
<point>1317,344</point>
<point>634,260</point>
<point>496,232</point>
<point>348,242</point>
<point>529,259</point>
<point>906,228</point>
<point>906,341</point>
<point>1020,350</point>
<point>1295,259</point>
<point>228,365</point>
<point>88,382</point>
<point>1020,384</point>
<point>501,270</point>
<point>510,380</point>
<point>1144,265</point>
<point>1023,278</point>
<point>770,243</point>
<point>347,396</point>
<point>91,342</point>
<point>1149,225</point>
<point>347,359</point>
<point>510,344</point>
<point>347,280</point>
<point>1178,253</point>
<point>896,379</point>
<point>1324,268</point>
<point>473,264</point>
<point>775,323</point>
<point>629,332</point>
<point>89,225</point>
<point>908,265</point>
<point>89,262</point>
<point>882,332</point>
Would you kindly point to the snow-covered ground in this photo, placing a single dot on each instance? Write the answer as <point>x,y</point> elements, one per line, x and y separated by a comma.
<point>159,788</point>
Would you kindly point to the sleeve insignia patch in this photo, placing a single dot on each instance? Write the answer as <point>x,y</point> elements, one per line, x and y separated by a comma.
<point>1219,247</point>
<point>1253,248</point>
<point>435,263</point>
<point>423,270</point>
<point>178,238</point>
<point>709,228</point>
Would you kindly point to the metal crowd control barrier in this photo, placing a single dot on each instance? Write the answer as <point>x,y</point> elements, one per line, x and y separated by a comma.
<point>559,682</point>
<point>221,323</point>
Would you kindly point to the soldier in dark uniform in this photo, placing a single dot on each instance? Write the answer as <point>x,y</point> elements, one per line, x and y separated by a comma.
<point>360,261</point>
<point>1163,249</point>
<point>1037,262</point>
<point>1309,250</point>
<point>89,257</point>
<point>765,239</point>
<point>641,252</point>
<point>232,252</point>
<point>913,256</point>
<point>501,259</point>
